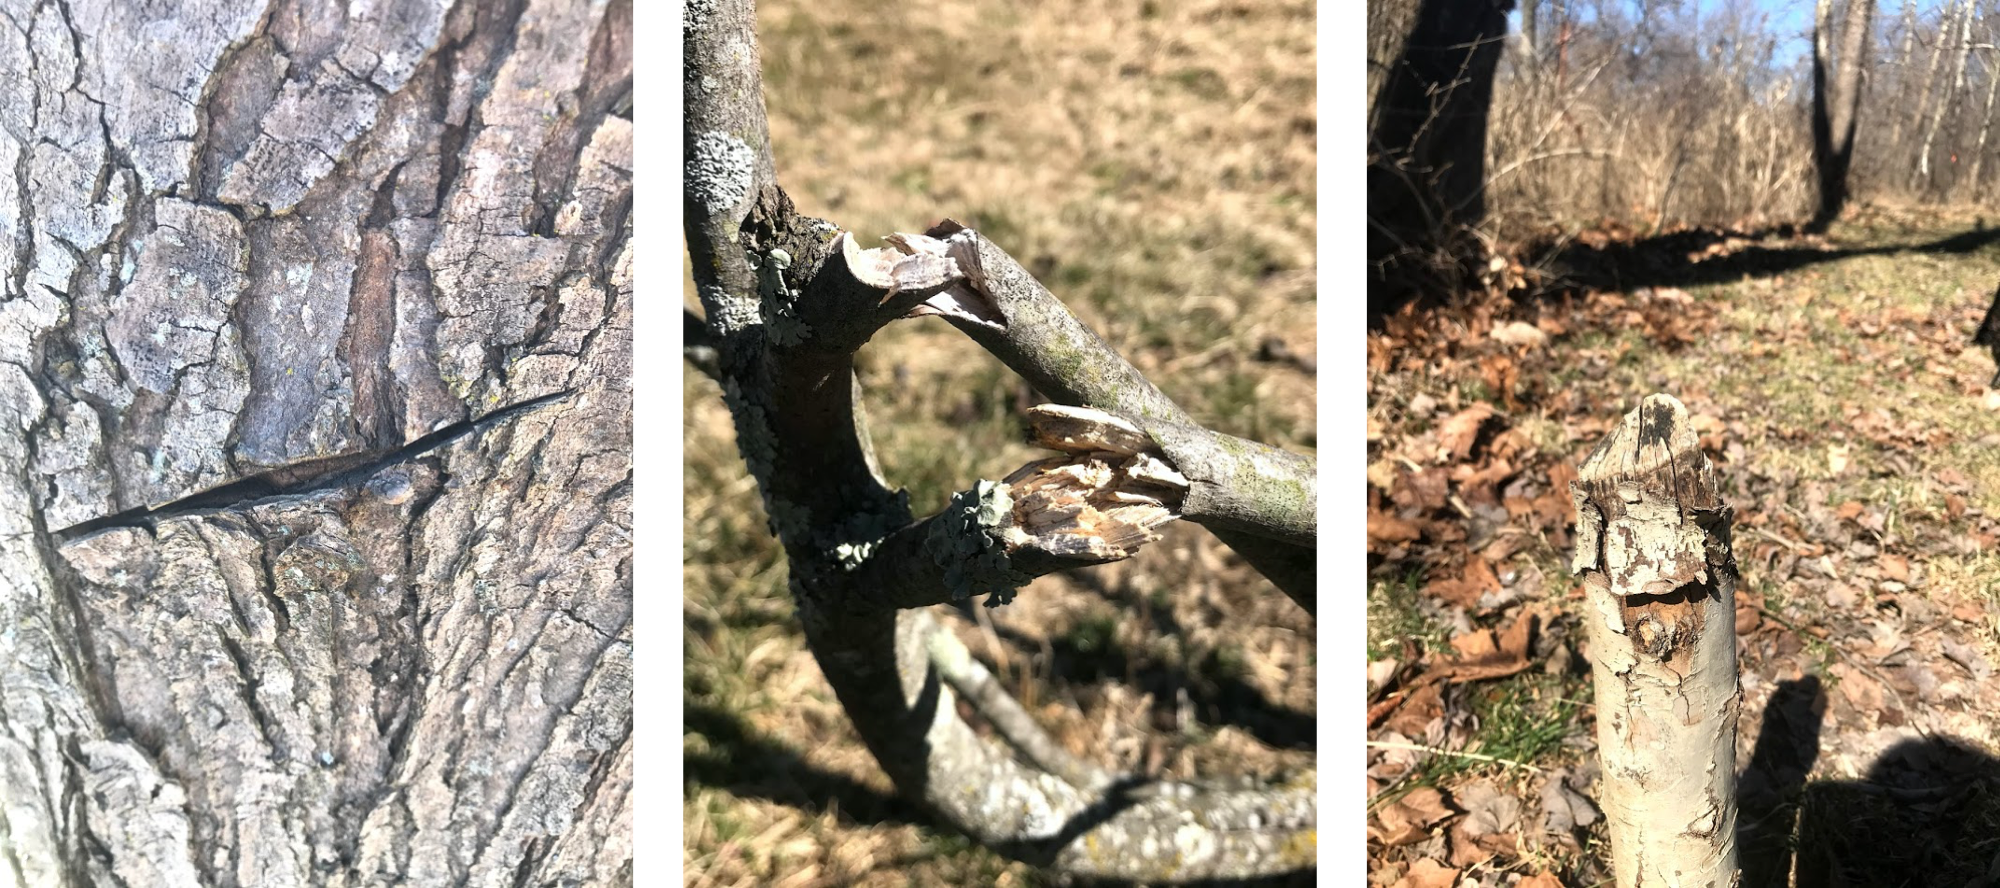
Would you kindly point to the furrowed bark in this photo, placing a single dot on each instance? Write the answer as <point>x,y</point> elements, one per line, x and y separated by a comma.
<point>1659,581</point>
<point>315,417</point>
<point>788,300</point>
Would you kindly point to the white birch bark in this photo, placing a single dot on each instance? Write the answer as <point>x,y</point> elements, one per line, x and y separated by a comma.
<point>1660,582</point>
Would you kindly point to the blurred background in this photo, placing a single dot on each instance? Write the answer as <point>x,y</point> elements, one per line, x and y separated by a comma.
<point>1153,164</point>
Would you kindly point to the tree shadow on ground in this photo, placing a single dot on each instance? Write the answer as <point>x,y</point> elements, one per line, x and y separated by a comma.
<point>1669,260</point>
<point>750,765</point>
<point>1216,696</point>
<point>1926,813</point>
<point>1693,258</point>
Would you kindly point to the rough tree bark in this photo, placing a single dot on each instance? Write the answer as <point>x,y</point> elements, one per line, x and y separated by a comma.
<point>315,417</point>
<point>1652,547</point>
<point>788,300</point>
<point>1431,67</point>
<point>1836,101</point>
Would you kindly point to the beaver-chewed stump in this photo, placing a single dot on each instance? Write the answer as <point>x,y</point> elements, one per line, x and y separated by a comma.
<point>1652,551</point>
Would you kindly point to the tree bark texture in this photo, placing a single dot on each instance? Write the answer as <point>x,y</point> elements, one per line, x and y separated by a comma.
<point>1427,127</point>
<point>788,300</point>
<point>1836,101</point>
<point>315,437</point>
<point>1659,606</point>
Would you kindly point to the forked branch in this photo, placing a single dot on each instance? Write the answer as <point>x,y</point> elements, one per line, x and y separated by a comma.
<point>787,301</point>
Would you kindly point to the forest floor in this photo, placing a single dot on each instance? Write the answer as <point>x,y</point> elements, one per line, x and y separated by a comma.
<point>1854,432</point>
<point>1153,164</point>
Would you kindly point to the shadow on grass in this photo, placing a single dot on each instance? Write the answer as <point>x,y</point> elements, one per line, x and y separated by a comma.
<point>1665,261</point>
<point>1217,697</point>
<point>753,766</point>
<point>1925,814</point>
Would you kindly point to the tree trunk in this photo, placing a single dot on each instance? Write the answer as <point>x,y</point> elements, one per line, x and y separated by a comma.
<point>315,413</point>
<point>1836,102</point>
<point>1975,174</point>
<point>1923,103</point>
<point>1923,177</point>
<point>1659,583</point>
<point>1427,137</point>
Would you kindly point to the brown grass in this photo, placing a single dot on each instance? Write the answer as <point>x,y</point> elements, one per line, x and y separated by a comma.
<point>1153,164</point>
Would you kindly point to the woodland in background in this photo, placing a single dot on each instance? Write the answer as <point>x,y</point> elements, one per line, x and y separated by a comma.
<point>1647,119</point>
<point>1644,221</point>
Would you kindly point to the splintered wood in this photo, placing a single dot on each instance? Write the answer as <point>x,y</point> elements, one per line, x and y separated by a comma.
<point>1102,499</point>
<point>1652,549</point>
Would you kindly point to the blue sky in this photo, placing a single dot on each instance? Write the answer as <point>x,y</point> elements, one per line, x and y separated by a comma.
<point>1789,20</point>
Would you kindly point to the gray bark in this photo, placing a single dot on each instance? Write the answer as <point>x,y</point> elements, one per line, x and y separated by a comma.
<point>1961,27</point>
<point>1975,174</point>
<point>787,301</point>
<point>315,416</point>
<point>1837,79</point>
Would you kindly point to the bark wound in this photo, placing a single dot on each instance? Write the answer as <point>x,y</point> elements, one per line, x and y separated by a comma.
<point>1659,581</point>
<point>1102,499</point>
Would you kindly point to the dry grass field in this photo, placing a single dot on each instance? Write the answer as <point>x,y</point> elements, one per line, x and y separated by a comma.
<point>1153,163</point>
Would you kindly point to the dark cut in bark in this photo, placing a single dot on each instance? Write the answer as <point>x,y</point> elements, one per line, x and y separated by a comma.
<point>787,301</point>
<point>315,435</point>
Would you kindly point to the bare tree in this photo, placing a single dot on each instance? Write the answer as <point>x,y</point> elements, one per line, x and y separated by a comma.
<point>315,427</point>
<point>1974,174</point>
<point>1959,29</point>
<point>1836,101</point>
<point>788,300</point>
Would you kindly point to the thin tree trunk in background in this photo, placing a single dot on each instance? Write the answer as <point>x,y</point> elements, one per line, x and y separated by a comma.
<point>315,418</point>
<point>1976,173</point>
<point>1902,64</point>
<point>1924,92</point>
<point>1836,102</point>
<point>1924,178</point>
<point>1659,584</point>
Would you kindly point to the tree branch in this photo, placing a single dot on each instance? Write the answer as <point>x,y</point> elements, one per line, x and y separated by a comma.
<point>784,333</point>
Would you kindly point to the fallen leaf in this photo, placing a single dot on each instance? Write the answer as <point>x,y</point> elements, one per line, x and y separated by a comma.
<point>1563,808</point>
<point>1428,873</point>
<point>1895,567</point>
<point>1464,589</point>
<point>1483,653</point>
<point>1410,818</point>
<point>1415,711</point>
<point>1386,530</point>
<point>1540,880</point>
<point>1747,617</point>
<point>1459,432</point>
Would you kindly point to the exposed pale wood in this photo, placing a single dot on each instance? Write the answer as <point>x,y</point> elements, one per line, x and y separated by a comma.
<point>1659,606</point>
